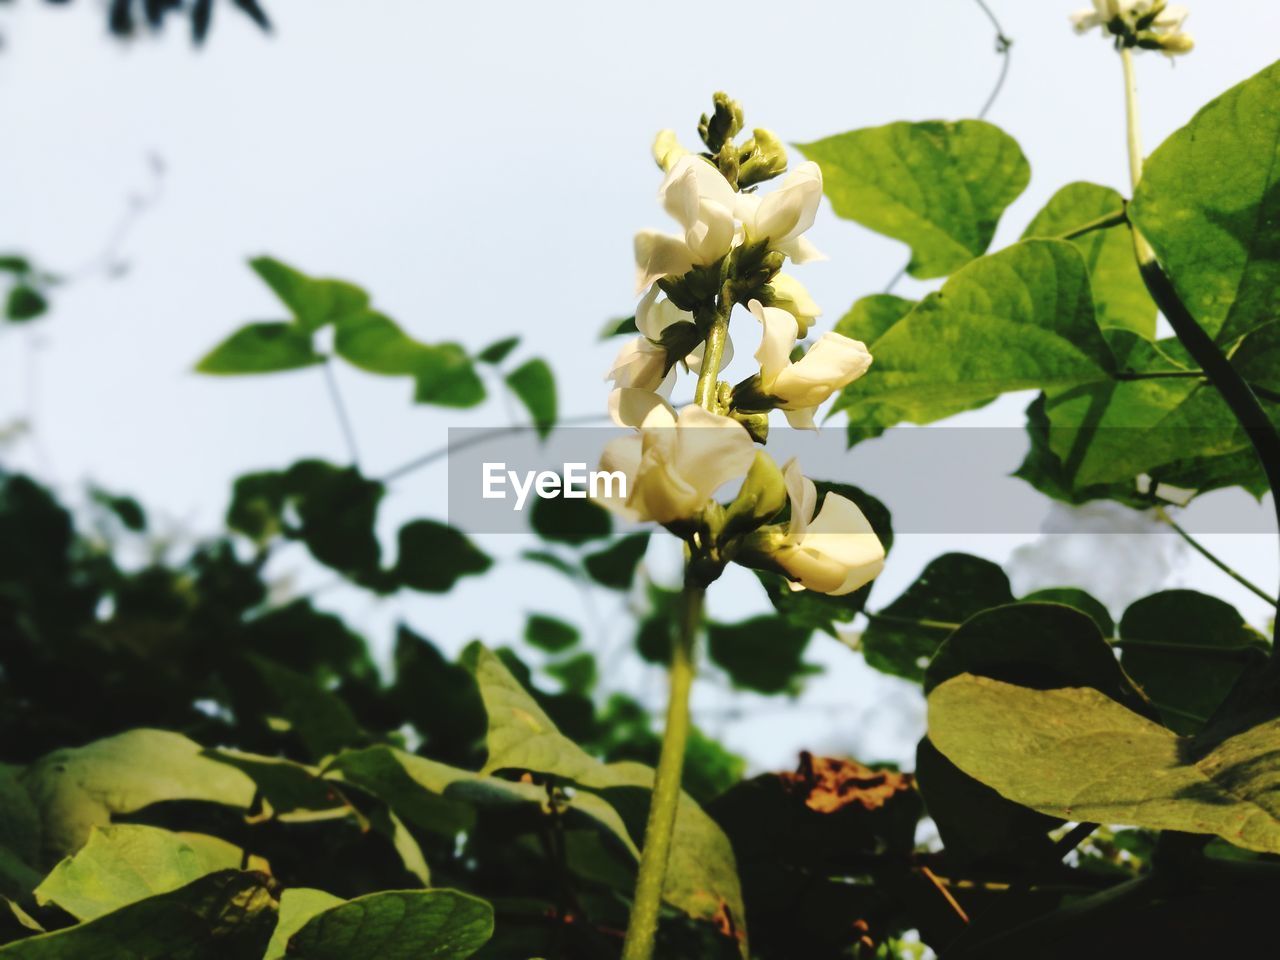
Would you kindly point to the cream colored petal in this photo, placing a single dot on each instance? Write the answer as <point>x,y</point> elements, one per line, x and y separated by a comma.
<point>790,210</point>
<point>799,250</point>
<point>629,407</point>
<point>660,255</point>
<point>653,316</point>
<point>842,533</point>
<point>621,454</point>
<point>712,234</point>
<point>801,418</point>
<point>694,360</point>
<point>777,339</point>
<point>641,363</point>
<point>831,364</point>
<point>803,495</point>
<point>711,450</point>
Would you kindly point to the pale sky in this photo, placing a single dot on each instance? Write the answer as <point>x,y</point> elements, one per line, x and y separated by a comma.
<point>481,169</point>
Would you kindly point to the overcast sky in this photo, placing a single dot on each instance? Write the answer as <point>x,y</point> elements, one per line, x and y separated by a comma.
<point>480,168</point>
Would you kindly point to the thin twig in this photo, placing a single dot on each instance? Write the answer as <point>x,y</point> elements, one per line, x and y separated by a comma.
<point>340,408</point>
<point>1199,548</point>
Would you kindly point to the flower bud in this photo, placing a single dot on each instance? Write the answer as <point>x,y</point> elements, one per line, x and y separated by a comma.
<point>667,149</point>
<point>764,157</point>
<point>724,123</point>
<point>789,294</point>
<point>761,498</point>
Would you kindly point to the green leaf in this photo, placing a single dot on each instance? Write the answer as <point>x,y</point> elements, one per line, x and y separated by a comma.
<point>618,326</point>
<point>439,697</point>
<point>1086,603</point>
<point>535,385</point>
<point>615,565</point>
<point>125,863</point>
<point>319,717</point>
<point>25,303</point>
<point>1019,319</point>
<point>297,906</point>
<point>1187,650</point>
<point>434,556</point>
<point>549,633</point>
<point>19,819</point>
<point>1208,203</point>
<point>1077,754</point>
<point>765,653</point>
<point>569,520</point>
<point>396,925</point>
<point>286,785</point>
<point>375,343</point>
<point>313,302</point>
<point>13,263</point>
<point>701,879</point>
<point>1038,645</point>
<point>79,788</point>
<point>261,348</point>
<point>902,638</point>
<point>219,916</point>
<point>498,351</point>
<point>446,377</point>
<point>577,673</point>
<point>938,187</point>
<point>1120,297</point>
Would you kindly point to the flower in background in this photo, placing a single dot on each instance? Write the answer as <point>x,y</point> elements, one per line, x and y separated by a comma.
<point>1149,24</point>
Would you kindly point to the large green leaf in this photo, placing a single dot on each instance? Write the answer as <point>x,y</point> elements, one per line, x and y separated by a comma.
<point>1187,650</point>
<point>443,372</point>
<point>219,916</point>
<point>297,906</point>
<point>396,925</point>
<point>314,302</point>
<point>701,878</point>
<point>938,187</point>
<point>1209,202</point>
<point>1120,298</point>
<point>434,556</point>
<point>446,377</point>
<point>1019,319</point>
<point>764,653</point>
<point>1075,753</point>
<point>262,348</point>
<point>125,863</point>
<point>902,638</point>
<point>80,788</point>
<point>615,565</point>
<point>535,385</point>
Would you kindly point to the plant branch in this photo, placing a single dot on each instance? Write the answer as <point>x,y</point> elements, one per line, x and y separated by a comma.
<point>340,408</point>
<point>1199,548</point>
<point>1217,368</point>
<point>643,928</point>
<point>1121,216</point>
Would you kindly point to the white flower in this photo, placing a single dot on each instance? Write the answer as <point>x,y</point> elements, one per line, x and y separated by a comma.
<point>701,200</point>
<point>785,214</point>
<point>676,462</point>
<point>790,295</point>
<point>835,552</point>
<point>831,364</point>
<point>642,364</point>
<point>1121,17</point>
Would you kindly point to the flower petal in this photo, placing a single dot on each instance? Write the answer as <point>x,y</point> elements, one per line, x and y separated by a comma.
<point>660,255</point>
<point>777,340</point>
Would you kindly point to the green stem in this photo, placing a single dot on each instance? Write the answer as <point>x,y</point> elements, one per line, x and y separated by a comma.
<point>713,356</point>
<point>1101,223</point>
<point>1199,548</point>
<point>1235,391</point>
<point>643,928</point>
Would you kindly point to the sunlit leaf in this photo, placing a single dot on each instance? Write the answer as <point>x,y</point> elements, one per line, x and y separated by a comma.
<point>396,925</point>
<point>262,348</point>
<point>535,385</point>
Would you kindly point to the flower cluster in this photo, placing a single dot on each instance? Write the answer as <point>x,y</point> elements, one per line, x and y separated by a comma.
<point>1148,24</point>
<point>728,252</point>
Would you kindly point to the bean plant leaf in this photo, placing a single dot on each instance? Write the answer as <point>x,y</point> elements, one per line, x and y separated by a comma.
<point>396,925</point>
<point>125,863</point>
<point>446,377</point>
<point>615,565</point>
<point>1077,754</point>
<point>1187,650</point>
<point>938,187</point>
<point>571,520</point>
<point>1019,319</point>
<point>498,351</point>
<point>701,878</point>
<point>549,633</point>
<point>314,302</point>
<point>434,556</point>
<point>79,788</point>
<point>1120,298</point>
<point>535,385</point>
<point>1208,203</point>
<point>902,638</point>
<point>297,906</point>
<point>443,372</point>
<point>25,303</point>
<point>226,914</point>
<point>268,347</point>
<point>764,653</point>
